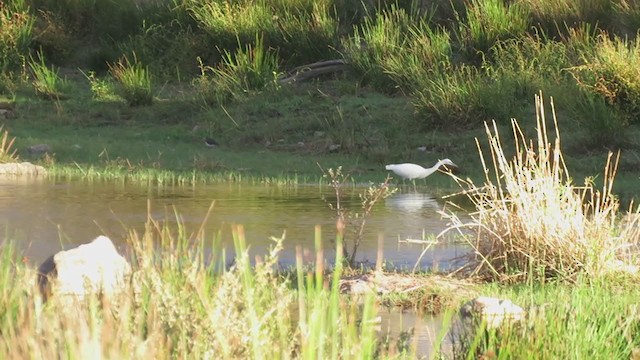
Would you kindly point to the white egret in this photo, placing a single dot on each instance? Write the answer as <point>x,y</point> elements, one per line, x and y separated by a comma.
<point>413,171</point>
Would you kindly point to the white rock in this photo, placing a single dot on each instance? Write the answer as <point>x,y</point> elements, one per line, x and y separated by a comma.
<point>24,168</point>
<point>93,268</point>
<point>495,312</point>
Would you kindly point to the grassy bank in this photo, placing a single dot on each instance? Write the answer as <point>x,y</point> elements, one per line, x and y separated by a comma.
<point>147,89</point>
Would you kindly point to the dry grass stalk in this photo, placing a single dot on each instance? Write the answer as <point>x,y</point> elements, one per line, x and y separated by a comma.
<point>530,221</point>
<point>6,154</point>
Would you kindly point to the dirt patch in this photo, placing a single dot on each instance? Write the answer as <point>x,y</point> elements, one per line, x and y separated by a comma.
<point>431,293</point>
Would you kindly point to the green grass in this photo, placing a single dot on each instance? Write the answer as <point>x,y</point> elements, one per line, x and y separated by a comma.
<point>588,320</point>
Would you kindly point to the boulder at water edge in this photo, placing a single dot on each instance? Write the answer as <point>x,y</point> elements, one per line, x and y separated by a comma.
<point>494,312</point>
<point>93,268</point>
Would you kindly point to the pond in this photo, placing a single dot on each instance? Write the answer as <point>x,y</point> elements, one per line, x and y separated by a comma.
<point>44,216</point>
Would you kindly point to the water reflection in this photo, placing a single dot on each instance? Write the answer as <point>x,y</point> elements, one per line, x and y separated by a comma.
<point>44,216</point>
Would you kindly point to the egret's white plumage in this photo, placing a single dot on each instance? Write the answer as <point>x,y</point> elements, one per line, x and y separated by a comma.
<point>412,171</point>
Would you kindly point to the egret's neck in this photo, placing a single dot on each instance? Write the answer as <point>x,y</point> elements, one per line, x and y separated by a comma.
<point>430,170</point>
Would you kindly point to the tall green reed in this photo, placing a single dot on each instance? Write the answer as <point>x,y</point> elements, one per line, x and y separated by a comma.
<point>303,31</point>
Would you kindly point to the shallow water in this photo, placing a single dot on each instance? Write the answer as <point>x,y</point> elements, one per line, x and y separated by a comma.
<point>44,216</point>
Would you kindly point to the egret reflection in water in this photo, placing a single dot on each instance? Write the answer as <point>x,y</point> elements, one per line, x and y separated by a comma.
<point>412,202</point>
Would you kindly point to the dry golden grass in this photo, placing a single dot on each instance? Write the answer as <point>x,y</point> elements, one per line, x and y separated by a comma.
<point>6,153</point>
<point>531,221</point>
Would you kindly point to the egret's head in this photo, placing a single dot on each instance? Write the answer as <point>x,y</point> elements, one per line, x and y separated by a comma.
<point>448,163</point>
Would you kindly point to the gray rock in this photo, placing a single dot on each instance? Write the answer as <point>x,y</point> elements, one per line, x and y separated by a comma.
<point>39,149</point>
<point>93,268</point>
<point>493,313</point>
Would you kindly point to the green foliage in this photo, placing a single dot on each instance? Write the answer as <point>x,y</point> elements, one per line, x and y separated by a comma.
<point>133,81</point>
<point>554,17</point>
<point>113,19</point>
<point>249,69</point>
<point>605,127</point>
<point>46,81</point>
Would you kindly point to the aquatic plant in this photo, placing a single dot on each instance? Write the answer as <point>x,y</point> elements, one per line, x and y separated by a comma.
<point>531,221</point>
<point>354,222</point>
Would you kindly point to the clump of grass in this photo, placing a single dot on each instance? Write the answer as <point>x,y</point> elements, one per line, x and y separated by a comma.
<point>46,81</point>
<point>134,81</point>
<point>532,222</point>
<point>253,68</point>
<point>16,34</point>
<point>303,30</point>
<point>610,71</point>
<point>377,40</point>
<point>7,154</point>
<point>488,21</point>
<point>448,99</point>
<point>102,89</point>
<point>556,16</point>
